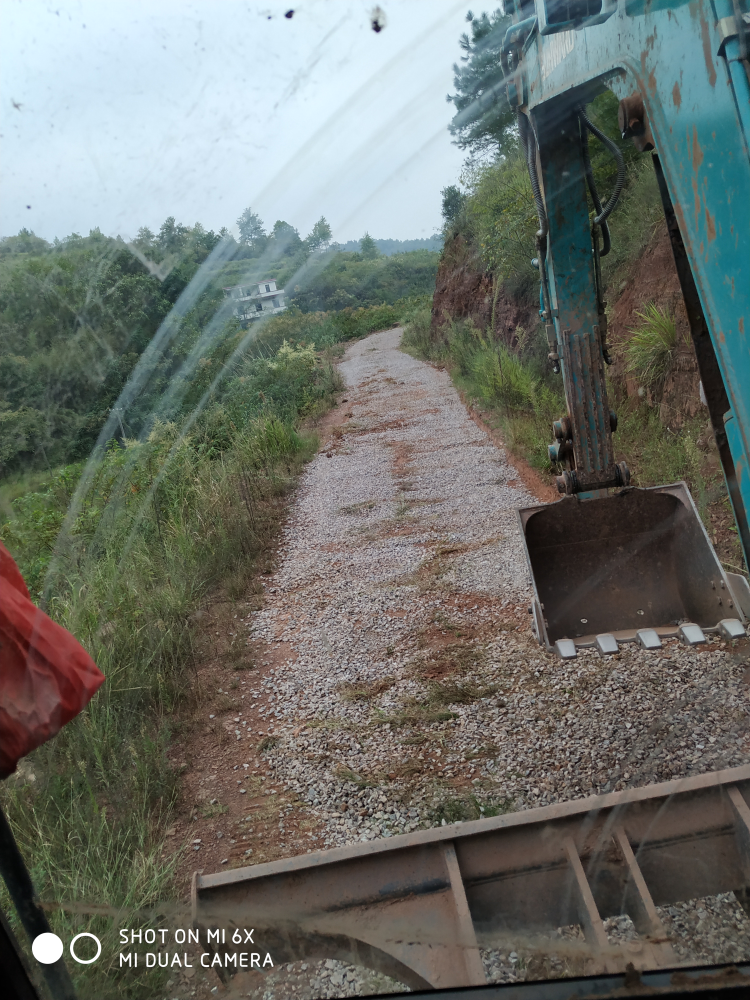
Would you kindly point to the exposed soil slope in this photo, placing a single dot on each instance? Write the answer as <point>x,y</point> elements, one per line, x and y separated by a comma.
<point>464,291</point>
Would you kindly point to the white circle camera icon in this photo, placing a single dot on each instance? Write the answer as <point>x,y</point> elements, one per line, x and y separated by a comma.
<point>47,948</point>
<point>85,961</point>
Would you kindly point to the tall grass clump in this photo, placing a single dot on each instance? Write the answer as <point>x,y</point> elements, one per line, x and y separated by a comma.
<point>416,339</point>
<point>515,386</point>
<point>651,348</point>
<point>163,521</point>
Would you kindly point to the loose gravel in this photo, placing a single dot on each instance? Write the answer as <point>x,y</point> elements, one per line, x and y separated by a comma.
<point>406,688</point>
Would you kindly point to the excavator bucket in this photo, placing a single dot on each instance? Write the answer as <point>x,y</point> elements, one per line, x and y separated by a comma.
<point>634,566</point>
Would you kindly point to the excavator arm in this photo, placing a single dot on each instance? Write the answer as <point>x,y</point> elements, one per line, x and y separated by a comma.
<point>611,563</point>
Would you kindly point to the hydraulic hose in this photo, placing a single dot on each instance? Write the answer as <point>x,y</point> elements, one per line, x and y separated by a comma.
<point>528,141</point>
<point>605,213</point>
<point>606,240</point>
<point>601,216</point>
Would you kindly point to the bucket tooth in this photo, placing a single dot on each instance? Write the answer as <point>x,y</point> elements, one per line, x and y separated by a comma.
<point>566,649</point>
<point>648,638</point>
<point>691,634</point>
<point>731,628</point>
<point>606,644</point>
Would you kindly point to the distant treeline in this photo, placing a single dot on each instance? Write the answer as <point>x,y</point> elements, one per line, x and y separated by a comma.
<point>77,315</point>
<point>389,247</point>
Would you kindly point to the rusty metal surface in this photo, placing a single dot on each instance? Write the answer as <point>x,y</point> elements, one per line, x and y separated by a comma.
<point>419,906</point>
<point>634,560</point>
<point>704,983</point>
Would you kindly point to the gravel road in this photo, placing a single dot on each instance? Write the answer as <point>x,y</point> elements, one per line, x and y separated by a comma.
<point>401,686</point>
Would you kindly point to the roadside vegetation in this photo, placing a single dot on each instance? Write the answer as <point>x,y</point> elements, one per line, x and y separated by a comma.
<point>124,565</point>
<point>148,443</point>
<point>651,348</point>
<point>515,388</point>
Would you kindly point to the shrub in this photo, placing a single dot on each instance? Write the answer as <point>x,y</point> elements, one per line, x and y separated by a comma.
<point>416,338</point>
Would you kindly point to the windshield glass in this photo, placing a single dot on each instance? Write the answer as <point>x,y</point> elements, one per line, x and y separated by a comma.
<point>349,358</point>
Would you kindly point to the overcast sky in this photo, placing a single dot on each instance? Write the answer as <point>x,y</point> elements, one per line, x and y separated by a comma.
<point>132,111</point>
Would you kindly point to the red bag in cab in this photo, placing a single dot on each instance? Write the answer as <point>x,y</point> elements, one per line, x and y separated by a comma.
<point>46,676</point>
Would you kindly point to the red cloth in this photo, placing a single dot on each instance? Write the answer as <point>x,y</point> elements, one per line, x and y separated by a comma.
<point>46,676</point>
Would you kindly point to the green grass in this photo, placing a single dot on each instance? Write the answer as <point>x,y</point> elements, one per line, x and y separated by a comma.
<point>326,329</point>
<point>657,455</point>
<point>123,563</point>
<point>633,223</point>
<point>18,485</point>
<point>434,704</point>
<point>417,339</point>
<point>462,808</point>
<point>517,390</point>
<point>650,350</point>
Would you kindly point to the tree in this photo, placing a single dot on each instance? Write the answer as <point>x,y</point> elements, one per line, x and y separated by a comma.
<point>320,237</point>
<point>252,233</point>
<point>484,121</point>
<point>202,241</point>
<point>286,239</point>
<point>22,433</point>
<point>144,239</point>
<point>453,202</point>
<point>172,236</point>
<point>25,242</point>
<point>368,247</point>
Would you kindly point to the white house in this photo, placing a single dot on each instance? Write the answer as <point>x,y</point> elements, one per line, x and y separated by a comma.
<point>258,299</point>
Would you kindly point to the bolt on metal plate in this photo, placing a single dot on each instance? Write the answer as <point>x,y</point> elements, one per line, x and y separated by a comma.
<point>691,634</point>
<point>648,639</point>
<point>731,628</point>
<point>606,644</point>
<point>566,649</point>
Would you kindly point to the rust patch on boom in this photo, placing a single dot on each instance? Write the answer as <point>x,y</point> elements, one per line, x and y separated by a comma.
<point>710,226</point>
<point>705,38</point>
<point>676,95</point>
<point>680,216</point>
<point>696,151</point>
<point>697,201</point>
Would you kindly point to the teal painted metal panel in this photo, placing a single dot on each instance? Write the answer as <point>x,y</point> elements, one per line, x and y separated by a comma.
<point>684,61</point>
